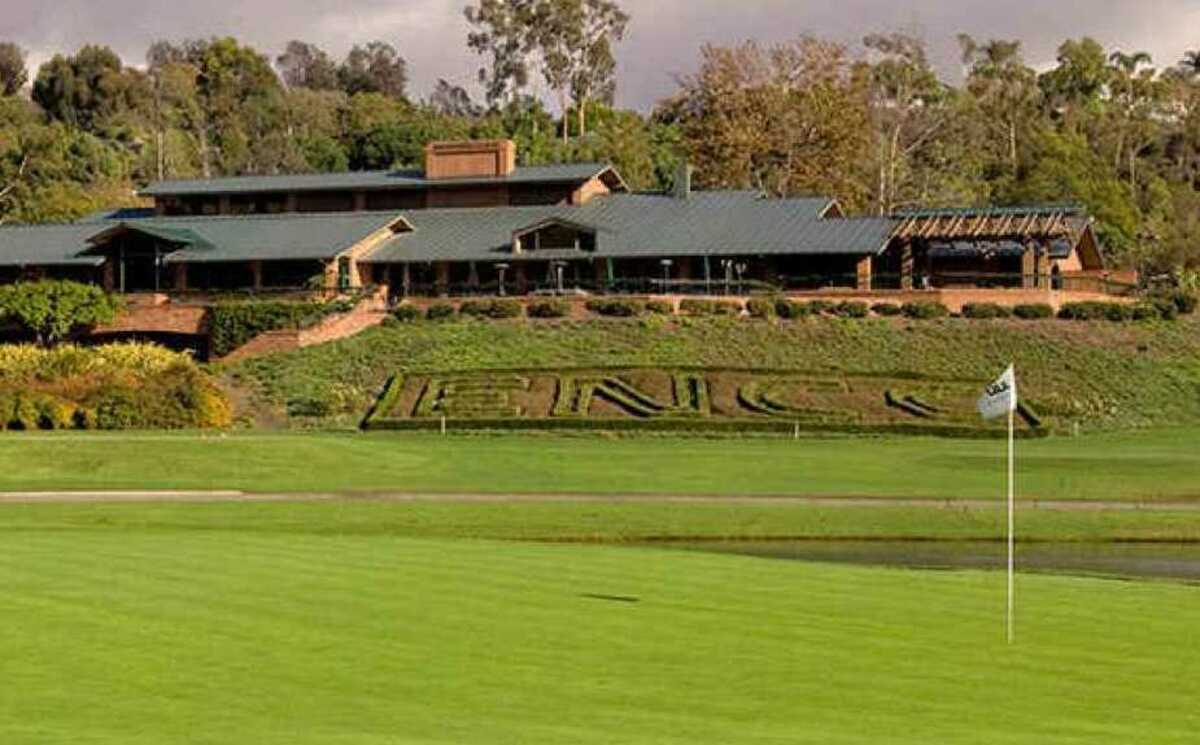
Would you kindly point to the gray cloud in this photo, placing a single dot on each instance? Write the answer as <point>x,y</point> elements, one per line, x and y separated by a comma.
<point>663,40</point>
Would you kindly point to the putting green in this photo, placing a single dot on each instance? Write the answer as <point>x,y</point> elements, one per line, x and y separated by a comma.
<point>128,635</point>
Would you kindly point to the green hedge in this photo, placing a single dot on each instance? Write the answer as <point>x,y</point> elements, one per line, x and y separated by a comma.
<point>407,313</point>
<point>851,309</point>
<point>496,309</point>
<point>886,309</point>
<point>695,425</point>
<point>1033,311</point>
<point>760,308</point>
<point>616,307</point>
<point>232,324</point>
<point>548,309</point>
<point>439,312</point>
<point>985,311</point>
<point>924,310</point>
<point>701,307</point>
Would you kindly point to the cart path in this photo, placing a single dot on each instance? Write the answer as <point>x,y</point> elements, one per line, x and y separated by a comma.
<point>28,497</point>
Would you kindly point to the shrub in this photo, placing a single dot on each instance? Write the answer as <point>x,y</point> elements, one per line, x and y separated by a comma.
<point>886,309</point>
<point>700,307</point>
<point>760,308</point>
<point>660,307</point>
<point>985,311</point>
<point>496,309</point>
<point>817,307</point>
<point>407,313</point>
<point>616,307</point>
<point>548,309</point>
<point>439,311</point>
<point>54,413</point>
<point>1092,310</point>
<point>1033,311</point>
<point>851,309</point>
<point>785,308</point>
<point>1184,302</point>
<point>924,310</point>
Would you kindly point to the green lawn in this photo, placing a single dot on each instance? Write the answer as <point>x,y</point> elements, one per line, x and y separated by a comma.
<point>1141,465</point>
<point>130,635</point>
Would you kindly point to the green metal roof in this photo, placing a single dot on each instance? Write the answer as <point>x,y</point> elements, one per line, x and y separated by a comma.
<point>368,180</point>
<point>643,225</point>
<point>300,236</point>
<point>46,245</point>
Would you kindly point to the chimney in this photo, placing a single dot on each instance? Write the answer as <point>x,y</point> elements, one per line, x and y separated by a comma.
<point>683,180</point>
<point>470,159</point>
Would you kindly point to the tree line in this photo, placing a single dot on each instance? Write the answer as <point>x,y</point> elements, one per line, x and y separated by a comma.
<point>873,124</point>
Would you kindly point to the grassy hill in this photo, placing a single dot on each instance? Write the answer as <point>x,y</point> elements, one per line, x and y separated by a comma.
<point>1087,374</point>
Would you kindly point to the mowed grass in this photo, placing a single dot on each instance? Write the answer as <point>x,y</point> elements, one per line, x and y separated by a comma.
<point>131,636</point>
<point>1140,465</point>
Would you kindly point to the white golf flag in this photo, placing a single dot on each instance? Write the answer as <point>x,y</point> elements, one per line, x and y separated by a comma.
<point>1000,397</point>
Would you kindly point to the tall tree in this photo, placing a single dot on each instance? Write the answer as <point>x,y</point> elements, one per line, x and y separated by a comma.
<point>575,39</point>
<point>86,88</point>
<point>13,73</point>
<point>1136,93</point>
<point>789,119</point>
<point>453,100</point>
<point>304,65</point>
<point>906,98</point>
<point>374,68</point>
<point>1006,89</point>
<point>500,31</point>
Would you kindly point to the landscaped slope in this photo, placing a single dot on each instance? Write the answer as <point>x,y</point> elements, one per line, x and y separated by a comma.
<point>1092,374</point>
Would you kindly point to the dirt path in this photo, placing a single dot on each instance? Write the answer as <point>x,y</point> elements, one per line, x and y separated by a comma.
<point>816,501</point>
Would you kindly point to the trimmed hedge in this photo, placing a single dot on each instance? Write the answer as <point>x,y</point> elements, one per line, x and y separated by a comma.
<point>496,309</point>
<point>760,308</point>
<point>785,308</point>
<point>851,309</point>
<point>548,309</point>
<point>985,311</point>
<point>616,307</point>
<point>1097,311</point>
<point>1033,311</point>
<point>700,307</point>
<point>660,307</point>
<point>924,310</point>
<point>407,313</point>
<point>693,425</point>
<point>886,309</point>
<point>439,312</point>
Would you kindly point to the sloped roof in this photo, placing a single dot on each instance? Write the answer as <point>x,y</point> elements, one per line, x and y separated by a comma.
<point>299,236</point>
<point>371,180</point>
<point>643,225</point>
<point>46,245</point>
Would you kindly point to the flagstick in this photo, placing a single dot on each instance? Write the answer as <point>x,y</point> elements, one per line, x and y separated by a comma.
<point>1011,521</point>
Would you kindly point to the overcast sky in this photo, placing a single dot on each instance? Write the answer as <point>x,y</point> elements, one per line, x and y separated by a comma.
<point>662,42</point>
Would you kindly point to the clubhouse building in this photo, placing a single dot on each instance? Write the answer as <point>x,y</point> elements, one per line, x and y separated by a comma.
<point>472,222</point>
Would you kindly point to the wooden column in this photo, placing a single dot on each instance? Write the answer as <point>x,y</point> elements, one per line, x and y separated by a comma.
<point>863,273</point>
<point>405,280</point>
<point>1042,265</point>
<point>108,277</point>
<point>1029,267</point>
<point>360,201</point>
<point>257,274</point>
<point>181,277</point>
<point>224,205</point>
<point>906,265</point>
<point>520,278</point>
<point>442,272</point>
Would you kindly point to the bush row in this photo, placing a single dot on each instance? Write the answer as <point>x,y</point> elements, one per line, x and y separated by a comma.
<point>1165,307</point>
<point>182,397</point>
<point>28,362</point>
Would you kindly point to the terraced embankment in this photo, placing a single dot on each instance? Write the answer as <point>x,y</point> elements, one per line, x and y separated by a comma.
<point>823,373</point>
